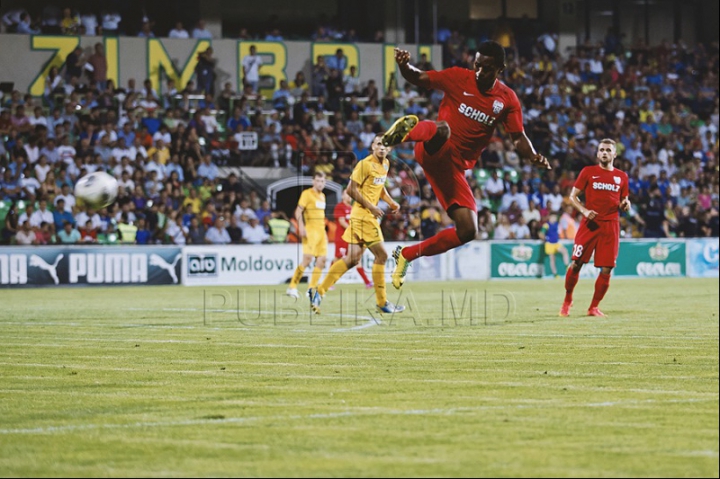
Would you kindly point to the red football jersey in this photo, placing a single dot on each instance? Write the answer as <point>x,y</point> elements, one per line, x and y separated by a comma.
<point>341,211</point>
<point>473,115</point>
<point>603,190</point>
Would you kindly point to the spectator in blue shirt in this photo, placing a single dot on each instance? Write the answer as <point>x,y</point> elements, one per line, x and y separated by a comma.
<point>238,119</point>
<point>60,216</point>
<point>207,169</point>
<point>68,234</point>
<point>9,186</point>
<point>280,98</point>
<point>337,61</point>
<point>143,234</point>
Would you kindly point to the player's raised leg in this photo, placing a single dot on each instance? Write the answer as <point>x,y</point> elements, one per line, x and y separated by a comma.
<point>464,231</point>
<point>408,128</point>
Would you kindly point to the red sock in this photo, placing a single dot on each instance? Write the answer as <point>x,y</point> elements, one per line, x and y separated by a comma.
<point>601,286</point>
<point>443,241</point>
<point>423,131</point>
<point>362,274</point>
<point>571,279</point>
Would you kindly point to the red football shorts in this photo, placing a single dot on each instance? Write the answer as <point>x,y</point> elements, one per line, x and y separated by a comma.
<point>341,248</point>
<point>601,237</point>
<point>445,171</point>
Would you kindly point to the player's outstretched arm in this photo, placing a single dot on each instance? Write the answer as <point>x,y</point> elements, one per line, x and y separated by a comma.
<point>526,150</point>
<point>589,214</point>
<point>355,194</point>
<point>412,74</point>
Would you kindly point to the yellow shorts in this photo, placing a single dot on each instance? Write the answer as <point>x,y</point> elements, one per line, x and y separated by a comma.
<point>363,231</point>
<point>552,248</point>
<point>315,244</point>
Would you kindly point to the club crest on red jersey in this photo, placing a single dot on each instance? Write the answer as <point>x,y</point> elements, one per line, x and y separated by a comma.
<point>617,180</point>
<point>498,106</point>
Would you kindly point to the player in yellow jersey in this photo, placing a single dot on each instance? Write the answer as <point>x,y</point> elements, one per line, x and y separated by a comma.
<point>367,188</point>
<point>310,215</point>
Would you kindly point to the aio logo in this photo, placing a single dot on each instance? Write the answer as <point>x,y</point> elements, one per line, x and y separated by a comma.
<point>202,265</point>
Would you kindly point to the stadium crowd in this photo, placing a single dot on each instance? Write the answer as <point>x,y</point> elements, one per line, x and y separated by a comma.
<point>659,103</point>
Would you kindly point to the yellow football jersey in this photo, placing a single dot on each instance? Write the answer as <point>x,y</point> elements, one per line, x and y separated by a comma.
<point>370,175</point>
<point>314,209</point>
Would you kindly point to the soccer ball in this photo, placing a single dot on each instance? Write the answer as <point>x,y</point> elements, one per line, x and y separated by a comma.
<point>97,190</point>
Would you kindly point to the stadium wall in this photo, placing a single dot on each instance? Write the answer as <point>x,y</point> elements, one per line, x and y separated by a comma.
<point>247,265</point>
<point>28,59</point>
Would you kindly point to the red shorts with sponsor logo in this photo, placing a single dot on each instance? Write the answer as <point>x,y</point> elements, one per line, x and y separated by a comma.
<point>600,237</point>
<point>341,248</point>
<point>445,171</point>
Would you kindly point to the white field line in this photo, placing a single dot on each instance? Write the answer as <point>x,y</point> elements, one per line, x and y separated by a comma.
<point>420,329</point>
<point>370,320</point>
<point>374,412</point>
<point>283,375</point>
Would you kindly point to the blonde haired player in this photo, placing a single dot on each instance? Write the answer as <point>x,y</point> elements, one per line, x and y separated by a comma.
<point>310,215</point>
<point>367,188</point>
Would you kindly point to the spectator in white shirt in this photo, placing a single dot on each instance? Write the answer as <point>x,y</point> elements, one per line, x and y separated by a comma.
<point>243,212</point>
<point>125,183</point>
<point>90,22</point>
<point>179,31</point>
<point>210,121</point>
<point>39,118</point>
<point>66,152</point>
<point>68,197</point>
<point>164,134</point>
<point>137,149</point>
<point>520,229</point>
<point>494,187</point>
<point>25,235</point>
<point>107,130</point>
<point>320,123</point>
<point>407,94</point>
<point>27,214</point>
<point>121,150</point>
<point>351,81</point>
<point>218,234</point>
<point>503,230</point>
<point>42,168</point>
<point>29,183</point>
<point>83,217</point>
<point>111,23</point>
<point>42,215</point>
<point>532,213</point>
<point>200,31</point>
<point>251,68</point>
<point>32,150</point>
<point>123,167</point>
<point>253,233</point>
<point>554,200</point>
<point>513,195</point>
<point>176,231</point>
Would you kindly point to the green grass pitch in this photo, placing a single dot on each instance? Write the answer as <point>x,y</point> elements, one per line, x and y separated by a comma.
<point>177,381</point>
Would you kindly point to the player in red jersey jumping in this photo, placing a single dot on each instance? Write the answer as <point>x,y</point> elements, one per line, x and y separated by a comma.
<point>342,220</point>
<point>475,102</point>
<point>606,193</point>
